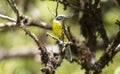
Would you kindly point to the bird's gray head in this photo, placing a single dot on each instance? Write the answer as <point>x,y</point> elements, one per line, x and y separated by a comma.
<point>61,17</point>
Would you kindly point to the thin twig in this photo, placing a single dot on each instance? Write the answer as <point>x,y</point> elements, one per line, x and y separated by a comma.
<point>59,40</point>
<point>70,5</point>
<point>56,10</point>
<point>31,22</point>
<point>32,35</point>
<point>39,23</point>
<point>55,38</point>
<point>8,24</point>
<point>7,18</point>
<point>21,21</point>
<point>117,48</point>
<point>13,6</point>
<point>35,23</point>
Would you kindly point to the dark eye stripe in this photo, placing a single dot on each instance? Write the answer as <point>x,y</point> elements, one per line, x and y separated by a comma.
<point>59,18</point>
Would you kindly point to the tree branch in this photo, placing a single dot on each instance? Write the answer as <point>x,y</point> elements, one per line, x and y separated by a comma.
<point>7,18</point>
<point>8,24</point>
<point>14,7</point>
<point>66,3</point>
<point>30,22</point>
<point>107,56</point>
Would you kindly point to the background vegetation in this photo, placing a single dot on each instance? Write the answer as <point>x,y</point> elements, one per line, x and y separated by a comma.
<point>14,38</point>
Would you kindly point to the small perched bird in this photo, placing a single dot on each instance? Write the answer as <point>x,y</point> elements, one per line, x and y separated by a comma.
<point>58,25</point>
<point>57,29</point>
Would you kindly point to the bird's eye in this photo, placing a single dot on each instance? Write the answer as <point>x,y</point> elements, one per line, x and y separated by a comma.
<point>59,18</point>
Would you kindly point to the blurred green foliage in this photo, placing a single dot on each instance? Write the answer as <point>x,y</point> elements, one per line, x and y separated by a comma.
<point>15,37</point>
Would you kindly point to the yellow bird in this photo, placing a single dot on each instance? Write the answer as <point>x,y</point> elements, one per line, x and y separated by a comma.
<point>57,25</point>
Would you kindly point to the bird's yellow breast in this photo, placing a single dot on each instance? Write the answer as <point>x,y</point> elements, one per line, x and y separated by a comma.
<point>57,28</point>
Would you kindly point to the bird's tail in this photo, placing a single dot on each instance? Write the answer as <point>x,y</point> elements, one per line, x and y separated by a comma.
<point>68,53</point>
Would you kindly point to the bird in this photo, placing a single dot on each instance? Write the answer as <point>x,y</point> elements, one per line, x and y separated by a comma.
<point>57,26</point>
